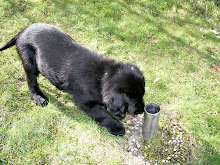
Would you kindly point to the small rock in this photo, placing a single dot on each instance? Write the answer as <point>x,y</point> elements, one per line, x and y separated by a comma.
<point>129,122</point>
<point>215,31</point>
<point>139,122</point>
<point>138,146</point>
<point>156,80</point>
<point>140,157</point>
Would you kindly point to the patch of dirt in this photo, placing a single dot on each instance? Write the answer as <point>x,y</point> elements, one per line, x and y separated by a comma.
<point>170,146</point>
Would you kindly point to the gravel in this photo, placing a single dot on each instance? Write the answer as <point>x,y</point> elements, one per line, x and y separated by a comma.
<point>171,146</point>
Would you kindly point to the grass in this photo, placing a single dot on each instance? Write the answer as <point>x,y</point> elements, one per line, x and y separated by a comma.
<point>171,40</point>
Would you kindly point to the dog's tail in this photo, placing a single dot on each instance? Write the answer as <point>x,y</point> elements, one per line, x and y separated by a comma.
<point>11,43</point>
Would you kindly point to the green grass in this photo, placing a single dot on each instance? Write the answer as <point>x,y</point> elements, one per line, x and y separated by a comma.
<point>171,40</point>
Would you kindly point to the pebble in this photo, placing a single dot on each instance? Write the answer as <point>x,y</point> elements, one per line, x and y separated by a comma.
<point>129,122</point>
<point>128,132</point>
<point>140,157</point>
<point>139,122</point>
<point>138,145</point>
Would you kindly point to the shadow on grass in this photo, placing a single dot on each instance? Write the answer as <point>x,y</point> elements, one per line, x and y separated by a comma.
<point>181,42</point>
<point>208,154</point>
<point>60,100</point>
<point>2,163</point>
<point>112,30</point>
<point>118,33</point>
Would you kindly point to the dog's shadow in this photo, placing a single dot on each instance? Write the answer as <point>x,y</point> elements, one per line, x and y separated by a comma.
<point>64,103</point>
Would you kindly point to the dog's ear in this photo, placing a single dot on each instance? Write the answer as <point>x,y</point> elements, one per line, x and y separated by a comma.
<point>117,104</point>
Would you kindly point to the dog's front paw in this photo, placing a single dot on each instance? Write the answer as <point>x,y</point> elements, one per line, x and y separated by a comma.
<point>39,100</point>
<point>116,128</point>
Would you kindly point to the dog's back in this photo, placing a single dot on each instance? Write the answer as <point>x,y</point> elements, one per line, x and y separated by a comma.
<point>58,56</point>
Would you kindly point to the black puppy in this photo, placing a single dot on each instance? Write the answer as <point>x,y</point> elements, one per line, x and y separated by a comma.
<point>103,88</point>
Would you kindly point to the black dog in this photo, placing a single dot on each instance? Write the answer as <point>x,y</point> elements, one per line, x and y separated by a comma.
<point>103,88</point>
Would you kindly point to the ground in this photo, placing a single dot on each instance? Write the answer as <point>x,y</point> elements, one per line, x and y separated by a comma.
<point>171,145</point>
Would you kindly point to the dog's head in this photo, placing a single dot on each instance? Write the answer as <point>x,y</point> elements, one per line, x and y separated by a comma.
<point>123,90</point>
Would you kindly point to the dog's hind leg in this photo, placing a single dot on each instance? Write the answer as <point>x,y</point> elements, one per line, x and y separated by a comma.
<point>28,56</point>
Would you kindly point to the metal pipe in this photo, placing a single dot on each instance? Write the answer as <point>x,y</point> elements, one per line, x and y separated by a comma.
<point>151,120</point>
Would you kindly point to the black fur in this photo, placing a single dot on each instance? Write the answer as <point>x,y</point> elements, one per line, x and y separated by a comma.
<point>103,88</point>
